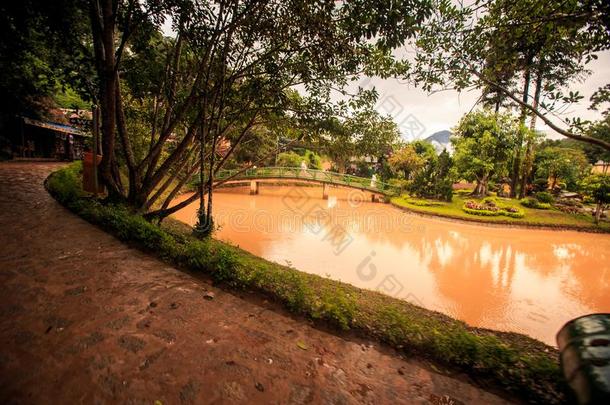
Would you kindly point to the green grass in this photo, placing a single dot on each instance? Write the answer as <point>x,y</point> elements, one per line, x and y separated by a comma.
<point>532,217</point>
<point>521,365</point>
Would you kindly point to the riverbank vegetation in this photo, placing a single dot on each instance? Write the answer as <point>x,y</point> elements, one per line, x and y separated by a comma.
<point>517,363</point>
<point>560,181</point>
<point>544,217</point>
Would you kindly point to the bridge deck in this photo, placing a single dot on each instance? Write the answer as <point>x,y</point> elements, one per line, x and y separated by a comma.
<point>295,173</point>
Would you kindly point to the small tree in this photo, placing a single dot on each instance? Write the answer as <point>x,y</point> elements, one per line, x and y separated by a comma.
<point>405,162</point>
<point>597,186</point>
<point>567,164</point>
<point>482,143</point>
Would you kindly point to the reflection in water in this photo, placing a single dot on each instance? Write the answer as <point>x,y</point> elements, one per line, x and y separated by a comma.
<point>522,280</point>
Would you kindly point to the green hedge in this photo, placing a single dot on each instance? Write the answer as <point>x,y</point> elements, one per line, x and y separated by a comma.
<point>519,364</point>
<point>481,213</point>
<point>530,202</point>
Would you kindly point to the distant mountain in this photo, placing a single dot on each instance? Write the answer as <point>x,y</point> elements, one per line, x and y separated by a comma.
<point>440,140</point>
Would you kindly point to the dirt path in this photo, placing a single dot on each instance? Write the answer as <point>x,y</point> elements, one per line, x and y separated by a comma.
<point>86,319</point>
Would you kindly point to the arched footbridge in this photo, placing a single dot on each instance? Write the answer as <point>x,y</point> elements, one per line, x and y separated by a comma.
<point>254,175</point>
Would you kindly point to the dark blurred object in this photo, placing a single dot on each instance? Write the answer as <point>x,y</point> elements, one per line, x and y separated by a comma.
<point>584,344</point>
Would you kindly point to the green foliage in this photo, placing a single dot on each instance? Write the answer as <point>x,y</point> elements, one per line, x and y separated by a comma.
<point>66,183</point>
<point>68,98</point>
<point>569,165</point>
<point>545,197</point>
<point>289,159</point>
<point>428,175</point>
<point>400,185</point>
<point>294,159</point>
<point>313,160</point>
<point>405,162</point>
<point>40,52</point>
<point>530,202</point>
<point>516,362</point>
<point>482,144</point>
<point>597,186</point>
<point>421,203</point>
<point>365,133</point>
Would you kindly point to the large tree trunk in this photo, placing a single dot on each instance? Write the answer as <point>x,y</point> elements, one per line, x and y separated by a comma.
<point>480,189</point>
<point>103,19</point>
<point>514,180</point>
<point>599,209</point>
<point>529,148</point>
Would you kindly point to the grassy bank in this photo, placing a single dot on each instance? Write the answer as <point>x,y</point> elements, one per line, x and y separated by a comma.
<point>519,364</point>
<point>550,218</point>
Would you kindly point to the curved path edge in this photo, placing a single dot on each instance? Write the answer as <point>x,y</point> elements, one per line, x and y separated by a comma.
<point>85,318</point>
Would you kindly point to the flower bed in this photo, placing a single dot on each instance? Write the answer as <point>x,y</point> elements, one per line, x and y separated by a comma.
<point>489,208</point>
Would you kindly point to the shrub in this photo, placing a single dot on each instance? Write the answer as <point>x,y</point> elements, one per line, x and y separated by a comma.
<point>422,203</point>
<point>540,184</point>
<point>545,197</point>
<point>483,213</point>
<point>289,159</point>
<point>400,185</point>
<point>490,201</point>
<point>65,184</point>
<point>530,202</point>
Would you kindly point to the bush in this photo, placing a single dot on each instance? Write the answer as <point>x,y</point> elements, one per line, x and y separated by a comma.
<point>492,201</point>
<point>480,212</point>
<point>400,185</point>
<point>289,159</point>
<point>530,202</point>
<point>540,184</point>
<point>545,197</point>
<point>422,203</point>
<point>65,184</point>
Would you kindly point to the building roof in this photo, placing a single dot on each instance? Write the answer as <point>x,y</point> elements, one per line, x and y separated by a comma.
<point>54,126</point>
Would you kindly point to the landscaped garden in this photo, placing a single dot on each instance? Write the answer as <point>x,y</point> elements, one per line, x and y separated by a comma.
<point>508,211</point>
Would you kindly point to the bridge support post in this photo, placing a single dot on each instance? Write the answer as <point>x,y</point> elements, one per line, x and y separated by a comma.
<point>253,187</point>
<point>324,192</point>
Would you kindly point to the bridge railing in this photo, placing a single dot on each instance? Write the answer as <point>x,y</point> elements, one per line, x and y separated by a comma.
<point>308,174</point>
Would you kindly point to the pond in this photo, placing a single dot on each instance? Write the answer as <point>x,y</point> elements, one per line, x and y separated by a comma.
<point>511,279</point>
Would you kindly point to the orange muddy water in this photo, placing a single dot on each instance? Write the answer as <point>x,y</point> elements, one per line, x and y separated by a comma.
<point>510,279</point>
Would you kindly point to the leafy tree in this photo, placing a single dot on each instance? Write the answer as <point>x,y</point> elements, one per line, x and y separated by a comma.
<point>406,162</point>
<point>229,69</point>
<point>289,159</point>
<point>560,163</point>
<point>600,130</point>
<point>434,179</point>
<point>39,40</point>
<point>364,133</point>
<point>428,175</point>
<point>597,186</point>
<point>501,47</point>
<point>482,143</point>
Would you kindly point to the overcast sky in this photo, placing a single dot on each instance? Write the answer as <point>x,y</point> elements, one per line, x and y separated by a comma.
<point>419,114</point>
